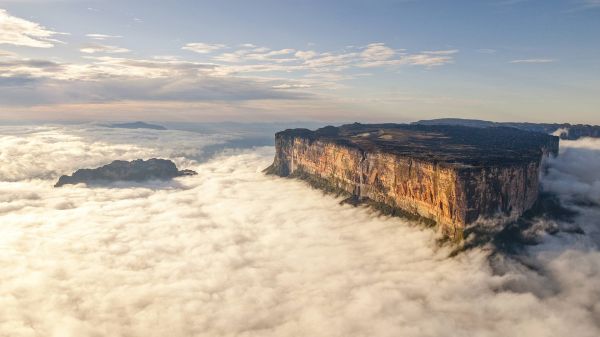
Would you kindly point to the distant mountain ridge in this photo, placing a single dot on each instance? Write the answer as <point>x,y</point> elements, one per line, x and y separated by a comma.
<point>136,125</point>
<point>563,130</point>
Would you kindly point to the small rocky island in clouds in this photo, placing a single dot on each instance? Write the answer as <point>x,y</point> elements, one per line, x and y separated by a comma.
<point>446,174</point>
<point>119,170</point>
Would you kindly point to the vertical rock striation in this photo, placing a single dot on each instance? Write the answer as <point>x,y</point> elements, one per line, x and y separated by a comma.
<point>451,175</point>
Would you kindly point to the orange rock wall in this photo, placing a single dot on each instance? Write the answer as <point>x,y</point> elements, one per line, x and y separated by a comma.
<point>451,196</point>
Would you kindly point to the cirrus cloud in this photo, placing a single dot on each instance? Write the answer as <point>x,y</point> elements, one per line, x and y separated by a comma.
<point>21,32</point>
<point>93,48</point>
<point>533,61</point>
<point>203,48</point>
<point>102,36</point>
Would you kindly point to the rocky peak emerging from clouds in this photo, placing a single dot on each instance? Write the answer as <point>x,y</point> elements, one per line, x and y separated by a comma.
<point>120,170</point>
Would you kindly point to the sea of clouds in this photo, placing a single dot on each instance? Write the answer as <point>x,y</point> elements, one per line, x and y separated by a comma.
<point>232,252</point>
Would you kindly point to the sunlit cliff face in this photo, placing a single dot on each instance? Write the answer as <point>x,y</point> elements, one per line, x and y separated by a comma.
<point>232,252</point>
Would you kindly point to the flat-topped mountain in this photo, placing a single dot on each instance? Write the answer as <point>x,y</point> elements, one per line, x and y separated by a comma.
<point>446,145</point>
<point>563,130</point>
<point>119,170</point>
<point>452,175</point>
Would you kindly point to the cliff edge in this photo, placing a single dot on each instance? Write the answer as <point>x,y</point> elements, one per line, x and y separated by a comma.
<point>450,175</point>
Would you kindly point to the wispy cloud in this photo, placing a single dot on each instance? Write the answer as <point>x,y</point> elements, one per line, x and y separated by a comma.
<point>540,60</point>
<point>21,32</point>
<point>203,48</point>
<point>576,5</point>
<point>4,53</point>
<point>441,52</point>
<point>291,86</point>
<point>93,48</point>
<point>110,79</point>
<point>377,52</point>
<point>102,36</point>
<point>247,73</point>
<point>261,59</point>
<point>428,59</point>
<point>590,3</point>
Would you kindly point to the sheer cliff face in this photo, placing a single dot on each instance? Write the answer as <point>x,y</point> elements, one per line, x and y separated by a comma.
<point>451,193</point>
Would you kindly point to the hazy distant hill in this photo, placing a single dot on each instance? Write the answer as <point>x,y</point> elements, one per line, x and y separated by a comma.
<point>137,125</point>
<point>563,130</point>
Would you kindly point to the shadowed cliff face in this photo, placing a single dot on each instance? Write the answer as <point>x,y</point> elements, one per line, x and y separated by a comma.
<point>452,175</point>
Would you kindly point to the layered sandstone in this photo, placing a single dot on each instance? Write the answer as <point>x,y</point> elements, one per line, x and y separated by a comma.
<point>452,175</point>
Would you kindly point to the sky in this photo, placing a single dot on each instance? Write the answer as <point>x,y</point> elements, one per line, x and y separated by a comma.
<point>330,61</point>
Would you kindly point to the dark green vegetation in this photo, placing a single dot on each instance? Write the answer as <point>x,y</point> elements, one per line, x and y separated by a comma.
<point>119,170</point>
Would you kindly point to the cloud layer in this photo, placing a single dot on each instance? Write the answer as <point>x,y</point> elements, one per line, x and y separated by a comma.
<point>208,72</point>
<point>231,252</point>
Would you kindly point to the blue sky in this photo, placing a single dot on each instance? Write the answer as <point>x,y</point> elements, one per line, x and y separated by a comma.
<point>505,60</point>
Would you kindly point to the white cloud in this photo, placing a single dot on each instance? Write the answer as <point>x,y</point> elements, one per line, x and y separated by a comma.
<point>258,54</point>
<point>93,48</point>
<point>4,53</point>
<point>21,32</point>
<point>590,3</point>
<point>332,61</point>
<point>232,252</point>
<point>289,60</point>
<point>539,60</point>
<point>291,86</point>
<point>102,36</point>
<point>377,52</point>
<point>574,174</point>
<point>203,48</point>
<point>110,79</point>
<point>305,55</point>
<point>427,59</point>
<point>248,73</point>
<point>441,52</point>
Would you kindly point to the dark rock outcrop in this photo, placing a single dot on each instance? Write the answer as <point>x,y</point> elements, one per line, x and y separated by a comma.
<point>451,175</point>
<point>563,130</point>
<point>119,170</point>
